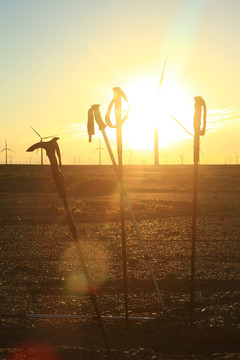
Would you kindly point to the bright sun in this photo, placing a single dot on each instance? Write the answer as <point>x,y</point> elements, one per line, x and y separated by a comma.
<point>152,108</point>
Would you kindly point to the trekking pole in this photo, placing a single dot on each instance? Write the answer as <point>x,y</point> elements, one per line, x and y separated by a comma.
<point>198,131</point>
<point>95,112</point>
<point>52,149</point>
<point>117,102</point>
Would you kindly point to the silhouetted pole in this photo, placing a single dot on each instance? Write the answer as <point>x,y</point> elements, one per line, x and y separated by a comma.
<point>118,115</point>
<point>198,131</point>
<point>118,93</point>
<point>52,149</point>
<point>117,102</point>
<point>95,112</point>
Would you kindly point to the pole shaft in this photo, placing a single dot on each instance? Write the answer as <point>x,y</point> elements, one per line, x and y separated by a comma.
<point>133,217</point>
<point>118,114</point>
<point>194,221</point>
<point>73,230</point>
<point>52,149</point>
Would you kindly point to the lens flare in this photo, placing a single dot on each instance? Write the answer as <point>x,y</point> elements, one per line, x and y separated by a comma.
<point>77,283</point>
<point>97,265</point>
<point>36,351</point>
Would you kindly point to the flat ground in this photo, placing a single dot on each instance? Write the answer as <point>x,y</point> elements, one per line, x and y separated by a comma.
<point>40,271</point>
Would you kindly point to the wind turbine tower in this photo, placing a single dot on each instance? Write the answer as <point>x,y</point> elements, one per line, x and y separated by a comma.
<point>100,152</point>
<point>156,145</point>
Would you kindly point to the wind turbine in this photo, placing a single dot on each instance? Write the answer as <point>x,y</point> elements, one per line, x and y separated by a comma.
<point>100,152</point>
<point>41,139</point>
<point>237,157</point>
<point>6,149</point>
<point>156,146</point>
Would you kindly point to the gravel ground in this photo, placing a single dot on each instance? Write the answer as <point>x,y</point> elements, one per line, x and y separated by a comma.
<point>40,273</point>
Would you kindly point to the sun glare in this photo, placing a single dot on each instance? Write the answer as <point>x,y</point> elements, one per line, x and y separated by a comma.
<point>152,108</point>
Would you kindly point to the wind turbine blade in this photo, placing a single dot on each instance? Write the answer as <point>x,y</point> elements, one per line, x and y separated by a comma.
<point>181,125</point>
<point>36,132</point>
<point>133,107</point>
<point>161,80</point>
<point>95,150</point>
<point>10,149</point>
<point>48,137</point>
<point>5,143</point>
<point>2,150</point>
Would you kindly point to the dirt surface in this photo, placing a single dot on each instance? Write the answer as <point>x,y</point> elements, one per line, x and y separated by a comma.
<point>40,271</point>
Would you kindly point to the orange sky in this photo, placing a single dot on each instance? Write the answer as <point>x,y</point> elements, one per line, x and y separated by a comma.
<point>59,58</point>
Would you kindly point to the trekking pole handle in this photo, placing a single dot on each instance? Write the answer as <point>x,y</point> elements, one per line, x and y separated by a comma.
<point>98,117</point>
<point>52,149</point>
<point>118,94</point>
<point>199,106</point>
<point>94,112</point>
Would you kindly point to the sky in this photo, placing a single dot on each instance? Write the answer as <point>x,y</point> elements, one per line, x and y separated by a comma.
<point>59,57</point>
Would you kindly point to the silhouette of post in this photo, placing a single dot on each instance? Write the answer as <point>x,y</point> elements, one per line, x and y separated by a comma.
<point>54,155</point>
<point>117,101</point>
<point>95,112</point>
<point>118,114</point>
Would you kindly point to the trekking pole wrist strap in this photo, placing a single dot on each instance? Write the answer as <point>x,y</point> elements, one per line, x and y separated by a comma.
<point>107,117</point>
<point>199,105</point>
<point>94,114</point>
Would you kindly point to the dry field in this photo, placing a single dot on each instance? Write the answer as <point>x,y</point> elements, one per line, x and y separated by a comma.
<point>40,272</point>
